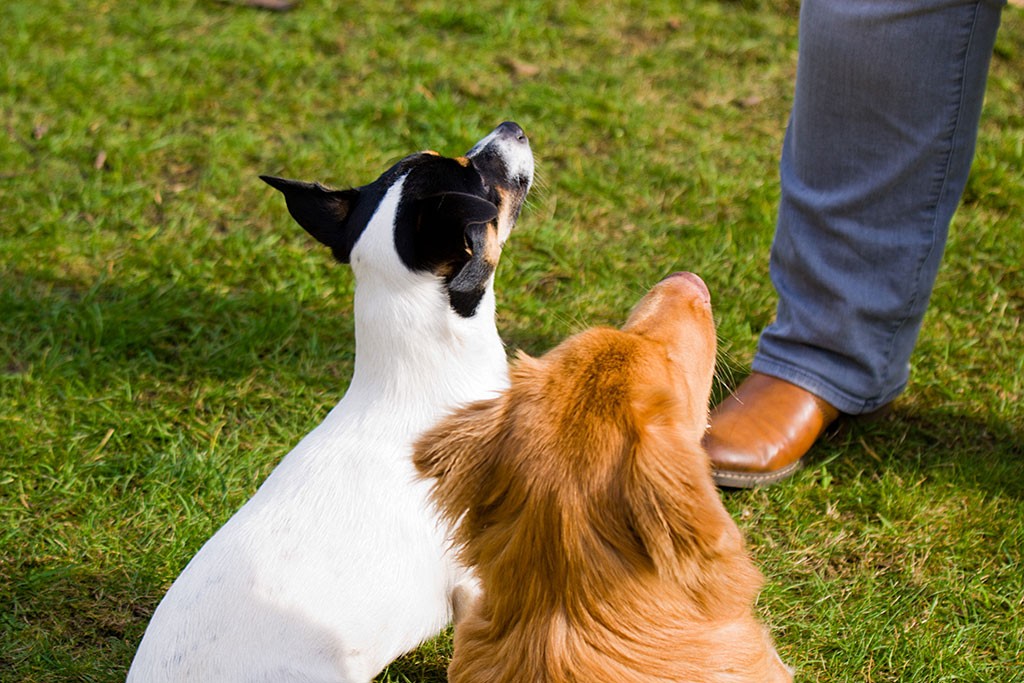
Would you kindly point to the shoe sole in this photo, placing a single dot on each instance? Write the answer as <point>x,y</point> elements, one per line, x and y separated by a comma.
<point>728,479</point>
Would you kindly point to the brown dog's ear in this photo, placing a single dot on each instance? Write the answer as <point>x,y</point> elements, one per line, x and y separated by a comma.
<point>674,508</point>
<point>458,454</point>
<point>322,212</point>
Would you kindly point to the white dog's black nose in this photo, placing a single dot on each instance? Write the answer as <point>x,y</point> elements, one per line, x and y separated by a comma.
<point>512,130</point>
<point>507,137</point>
<point>503,157</point>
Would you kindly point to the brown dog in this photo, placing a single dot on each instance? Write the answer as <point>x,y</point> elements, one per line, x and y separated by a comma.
<point>584,500</point>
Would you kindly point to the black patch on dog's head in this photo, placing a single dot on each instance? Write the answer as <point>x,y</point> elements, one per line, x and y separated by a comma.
<point>442,227</point>
<point>444,223</point>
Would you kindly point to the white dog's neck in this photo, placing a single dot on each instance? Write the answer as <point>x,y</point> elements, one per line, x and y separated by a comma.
<point>437,357</point>
<point>413,352</point>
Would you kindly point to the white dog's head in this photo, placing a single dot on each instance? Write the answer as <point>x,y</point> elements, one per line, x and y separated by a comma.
<point>427,214</point>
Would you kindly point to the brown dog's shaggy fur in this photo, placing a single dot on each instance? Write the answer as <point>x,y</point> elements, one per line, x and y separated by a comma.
<point>584,500</point>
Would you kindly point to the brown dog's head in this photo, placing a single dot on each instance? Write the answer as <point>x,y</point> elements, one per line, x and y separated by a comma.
<point>588,471</point>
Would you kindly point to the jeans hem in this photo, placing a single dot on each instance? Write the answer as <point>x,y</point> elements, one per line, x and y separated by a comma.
<point>843,401</point>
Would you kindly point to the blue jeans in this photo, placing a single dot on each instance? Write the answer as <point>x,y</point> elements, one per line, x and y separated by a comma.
<point>880,141</point>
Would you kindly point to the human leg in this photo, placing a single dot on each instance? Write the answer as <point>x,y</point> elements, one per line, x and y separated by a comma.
<point>875,159</point>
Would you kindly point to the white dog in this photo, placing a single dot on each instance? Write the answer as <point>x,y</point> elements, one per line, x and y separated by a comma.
<point>339,563</point>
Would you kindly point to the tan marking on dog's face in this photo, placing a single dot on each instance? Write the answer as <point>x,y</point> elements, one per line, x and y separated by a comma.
<point>493,248</point>
<point>507,217</point>
<point>462,161</point>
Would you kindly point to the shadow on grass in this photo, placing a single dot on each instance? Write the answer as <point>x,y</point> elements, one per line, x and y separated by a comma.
<point>68,327</point>
<point>983,453</point>
<point>73,622</point>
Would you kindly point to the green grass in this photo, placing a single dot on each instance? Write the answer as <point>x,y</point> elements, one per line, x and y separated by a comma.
<point>167,333</point>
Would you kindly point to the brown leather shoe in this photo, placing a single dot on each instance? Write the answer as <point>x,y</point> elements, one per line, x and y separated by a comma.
<point>761,432</point>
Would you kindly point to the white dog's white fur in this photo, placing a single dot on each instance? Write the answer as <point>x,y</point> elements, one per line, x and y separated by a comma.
<point>338,564</point>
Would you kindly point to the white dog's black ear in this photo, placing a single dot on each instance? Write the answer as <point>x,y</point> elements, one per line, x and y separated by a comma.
<point>321,211</point>
<point>458,233</point>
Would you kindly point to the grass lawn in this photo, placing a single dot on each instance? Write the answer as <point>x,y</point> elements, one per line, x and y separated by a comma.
<point>167,333</point>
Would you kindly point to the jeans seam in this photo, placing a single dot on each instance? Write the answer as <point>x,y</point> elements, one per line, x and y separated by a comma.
<point>941,190</point>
